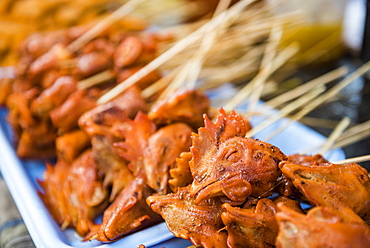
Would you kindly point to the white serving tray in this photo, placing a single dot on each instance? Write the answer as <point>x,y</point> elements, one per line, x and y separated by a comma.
<point>21,176</point>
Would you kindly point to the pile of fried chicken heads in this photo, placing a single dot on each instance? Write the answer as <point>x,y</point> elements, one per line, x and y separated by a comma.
<point>136,164</point>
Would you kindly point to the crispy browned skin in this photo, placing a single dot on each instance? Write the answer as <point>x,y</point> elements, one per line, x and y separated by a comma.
<point>113,167</point>
<point>66,116</point>
<point>187,106</point>
<point>288,202</point>
<point>92,63</point>
<point>35,138</point>
<point>135,134</point>
<point>180,173</point>
<point>332,185</point>
<point>227,164</point>
<point>285,186</point>
<point>200,223</point>
<point>5,89</point>
<point>48,60</point>
<point>74,193</point>
<point>321,227</point>
<point>86,187</point>
<point>251,228</point>
<point>100,119</point>
<point>128,51</point>
<point>152,152</point>
<point>52,72</point>
<point>164,146</point>
<point>304,159</point>
<point>53,96</point>
<point>52,192</point>
<point>142,83</point>
<point>128,213</point>
<point>99,124</point>
<point>72,144</point>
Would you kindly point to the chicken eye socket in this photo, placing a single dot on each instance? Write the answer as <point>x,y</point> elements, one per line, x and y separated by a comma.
<point>232,155</point>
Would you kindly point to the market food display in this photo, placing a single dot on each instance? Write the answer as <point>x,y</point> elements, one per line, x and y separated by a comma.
<point>118,167</point>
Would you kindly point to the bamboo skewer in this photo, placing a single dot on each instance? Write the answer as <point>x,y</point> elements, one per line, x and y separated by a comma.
<point>160,84</point>
<point>352,135</point>
<point>207,42</point>
<point>262,76</point>
<point>179,46</point>
<point>335,135</point>
<point>104,24</point>
<point>96,79</point>
<point>286,110</point>
<point>343,142</point>
<point>354,160</point>
<point>266,64</point>
<point>360,128</point>
<point>325,97</point>
<point>300,90</point>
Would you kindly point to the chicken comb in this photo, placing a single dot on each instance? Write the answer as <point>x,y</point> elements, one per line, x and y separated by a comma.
<point>135,134</point>
<point>181,175</point>
<point>213,134</point>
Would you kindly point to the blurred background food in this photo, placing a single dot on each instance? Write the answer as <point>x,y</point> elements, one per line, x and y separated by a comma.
<point>19,18</point>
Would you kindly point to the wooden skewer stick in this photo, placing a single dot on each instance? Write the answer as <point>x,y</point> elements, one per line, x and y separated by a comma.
<point>95,79</point>
<point>179,46</point>
<point>352,135</point>
<point>262,76</point>
<point>343,124</point>
<point>160,84</point>
<point>325,97</point>
<point>266,64</point>
<point>359,128</point>
<point>300,90</point>
<point>209,38</point>
<point>286,110</point>
<point>104,24</point>
<point>354,160</point>
<point>353,138</point>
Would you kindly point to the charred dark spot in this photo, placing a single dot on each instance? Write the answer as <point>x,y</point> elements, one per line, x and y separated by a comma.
<point>257,156</point>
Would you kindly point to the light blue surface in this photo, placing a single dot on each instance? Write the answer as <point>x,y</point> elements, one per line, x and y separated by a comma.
<point>21,176</point>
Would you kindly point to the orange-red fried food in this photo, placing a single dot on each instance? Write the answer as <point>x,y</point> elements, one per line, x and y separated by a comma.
<point>99,123</point>
<point>49,60</point>
<point>142,83</point>
<point>164,146</point>
<point>92,63</point>
<point>128,213</point>
<point>74,193</point>
<point>53,194</point>
<point>100,119</point>
<point>53,96</point>
<point>285,186</point>
<point>187,106</point>
<point>332,185</point>
<point>152,152</point>
<point>227,164</point>
<point>251,228</point>
<point>180,173</point>
<point>35,138</point>
<point>200,223</point>
<point>303,159</point>
<point>128,51</point>
<point>72,144</point>
<point>321,227</point>
<point>136,134</point>
<point>5,89</point>
<point>66,116</point>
